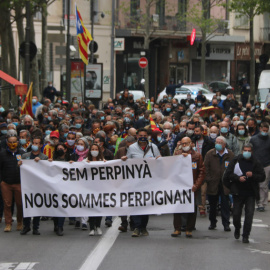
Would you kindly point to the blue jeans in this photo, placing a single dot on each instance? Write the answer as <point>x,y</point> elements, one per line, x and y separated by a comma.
<point>140,222</point>
<point>239,203</point>
<point>224,207</point>
<point>27,222</point>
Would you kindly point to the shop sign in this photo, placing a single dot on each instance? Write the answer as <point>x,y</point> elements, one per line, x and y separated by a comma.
<point>242,51</point>
<point>119,44</point>
<point>220,52</point>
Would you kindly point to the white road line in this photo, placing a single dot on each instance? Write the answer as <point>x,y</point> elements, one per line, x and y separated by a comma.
<point>102,248</point>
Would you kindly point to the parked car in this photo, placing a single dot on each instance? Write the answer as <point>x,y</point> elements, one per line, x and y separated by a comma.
<point>264,88</point>
<point>181,93</point>
<point>223,87</point>
<point>201,84</point>
<point>137,94</point>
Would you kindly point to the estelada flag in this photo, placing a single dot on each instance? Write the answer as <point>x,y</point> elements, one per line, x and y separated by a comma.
<point>27,105</point>
<point>152,123</point>
<point>83,37</point>
<point>149,107</point>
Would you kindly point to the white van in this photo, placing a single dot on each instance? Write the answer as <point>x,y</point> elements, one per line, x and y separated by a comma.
<point>264,88</point>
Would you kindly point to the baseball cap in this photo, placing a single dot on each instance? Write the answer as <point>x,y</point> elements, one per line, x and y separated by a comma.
<point>54,134</point>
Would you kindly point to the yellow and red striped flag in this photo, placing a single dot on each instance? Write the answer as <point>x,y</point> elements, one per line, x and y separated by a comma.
<point>27,105</point>
<point>83,37</point>
<point>152,123</point>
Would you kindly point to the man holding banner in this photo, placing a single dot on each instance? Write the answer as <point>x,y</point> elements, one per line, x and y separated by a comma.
<point>141,149</point>
<point>198,171</point>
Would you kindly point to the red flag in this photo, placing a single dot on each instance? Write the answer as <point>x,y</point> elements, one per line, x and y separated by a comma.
<point>152,123</point>
<point>27,105</point>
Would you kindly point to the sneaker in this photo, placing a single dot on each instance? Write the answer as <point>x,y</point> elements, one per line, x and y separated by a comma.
<point>92,233</point>
<point>144,232</point>
<point>99,231</point>
<point>227,228</point>
<point>188,234</point>
<point>122,228</point>
<point>7,228</point>
<point>59,232</point>
<point>19,226</point>
<point>108,223</point>
<point>77,225</point>
<point>84,227</point>
<point>136,233</point>
<point>25,230</point>
<point>237,234</point>
<point>176,233</point>
<point>36,232</point>
<point>212,227</point>
<point>260,209</point>
<point>245,240</point>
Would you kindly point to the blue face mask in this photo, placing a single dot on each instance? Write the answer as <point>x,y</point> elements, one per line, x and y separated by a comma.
<point>102,118</point>
<point>22,141</point>
<point>224,130</point>
<point>126,119</point>
<point>142,139</point>
<point>264,133</point>
<point>34,148</point>
<point>4,132</point>
<point>189,114</point>
<point>168,109</point>
<point>120,96</point>
<point>259,121</point>
<point>78,125</point>
<point>257,106</point>
<point>141,117</point>
<point>187,104</point>
<point>2,109</point>
<point>132,114</point>
<point>48,132</point>
<point>241,132</point>
<point>34,101</point>
<point>246,154</point>
<point>15,123</point>
<point>242,118</point>
<point>49,118</point>
<point>159,139</point>
<point>199,104</point>
<point>65,135</point>
<point>218,147</point>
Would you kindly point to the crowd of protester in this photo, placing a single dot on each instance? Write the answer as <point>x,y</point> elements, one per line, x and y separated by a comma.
<point>229,145</point>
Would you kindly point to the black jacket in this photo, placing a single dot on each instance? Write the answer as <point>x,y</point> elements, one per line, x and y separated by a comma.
<point>207,145</point>
<point>231,180</point>
<point>10,171</point>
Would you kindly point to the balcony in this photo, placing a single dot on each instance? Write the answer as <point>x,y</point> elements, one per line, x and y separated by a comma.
<point>265,33</point>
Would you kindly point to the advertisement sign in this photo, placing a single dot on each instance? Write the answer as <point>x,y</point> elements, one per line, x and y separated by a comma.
<point>93,81</point>
<point>77,79</point>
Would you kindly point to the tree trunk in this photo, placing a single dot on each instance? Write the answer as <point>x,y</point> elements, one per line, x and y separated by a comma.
<point>203,52</point>
<point>44,48</point>
<point>12,64</point>
<point>34,74</point>
<point>252,59</point>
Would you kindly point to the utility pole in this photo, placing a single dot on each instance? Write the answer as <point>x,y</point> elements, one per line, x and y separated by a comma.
<point>92,31</point>
<point>27,44</point>
<point>112,52</point>
<point>68,81</point>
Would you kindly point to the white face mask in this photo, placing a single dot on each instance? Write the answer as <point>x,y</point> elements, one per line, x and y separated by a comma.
<point>94,153</point>
<point>186,148</point>
<point>166,131</point>
<point>70,142</point>
<point>213,135</point>
<point>182,129</point>
<point>190,132</point>
<point>80,147</point>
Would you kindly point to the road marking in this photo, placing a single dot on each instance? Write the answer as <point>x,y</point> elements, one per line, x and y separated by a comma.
<point>18,266</point>
<point>102,248</point>
<point>259,251</point>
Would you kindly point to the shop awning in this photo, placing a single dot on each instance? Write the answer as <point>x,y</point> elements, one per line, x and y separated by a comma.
<point>20,88</point>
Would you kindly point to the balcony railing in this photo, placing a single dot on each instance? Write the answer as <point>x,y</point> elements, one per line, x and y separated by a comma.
<point>265,33</point>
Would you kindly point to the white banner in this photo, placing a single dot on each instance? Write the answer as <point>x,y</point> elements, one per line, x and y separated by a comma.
<point>111,188</point>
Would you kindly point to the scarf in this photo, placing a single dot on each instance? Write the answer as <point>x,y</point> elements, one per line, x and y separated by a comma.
<point>82,154</point>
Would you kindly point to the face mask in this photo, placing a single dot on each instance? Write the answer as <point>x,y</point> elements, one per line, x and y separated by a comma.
<point>59,101</point>
<point>2,109</point>
<point>182,129</point>
<point>60,118</point>
<point>213,135</point>
<point>259,121</point>
<point>199,104</point>
<point>60,152</point>
<point>102,118</point>
<point>48,132</point>
<point>248,109</point>
<point>188,113</point>
<point>187,104</point>
<point>264,133</point>
<point>242,118</point>
<point>218,98</point>
<point>168,109</point>
<point>224,130</point>
<point>174,105</point>
<point>94,153</point>
<point>49,118</point>
<point>170,98</point>
<point>194,148</point>
<point>12,146</point>
<point>50,85</point>
<point>4,132</point>
<point>156,110</point>
<point>70,142</point>
<point>65,135</point>
<point>141,117</point>
<point>120,96</point>
<point>218,147</point>
<point>188,98</point>
<point>142,139</point>
<point>190,132</point>
<point>186,148</point>
<point>166,131</point>
<point>197,137</point>
<point>80,148</point>
<point>8,121</point>
<point>15,123</point>
<point>22,141</point>
<point>257,106</point>
<point>165,99</point>
<point>246,154</point>
<point>78,125</point>
<point>159,139</point>
<point>34,148</point>
<point>126,119</point>
<point>241,132</point>
<point>34,101</point>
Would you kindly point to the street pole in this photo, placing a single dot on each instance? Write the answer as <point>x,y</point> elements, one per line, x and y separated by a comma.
<point>27,44</point>
<point>92,31</point>
<point>68,71</point>
<point>112,52</point>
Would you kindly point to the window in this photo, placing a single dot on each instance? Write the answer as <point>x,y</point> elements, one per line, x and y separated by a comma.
<point>241,21</point>
<point>160,10</point>
<point>181,15</point>
<point>135,9</point>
